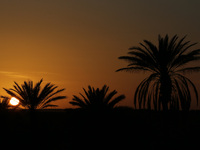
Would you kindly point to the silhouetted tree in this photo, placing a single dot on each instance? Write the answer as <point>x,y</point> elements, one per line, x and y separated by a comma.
<point>33,97</point>
<point>4,103</point>
<point>166,86</point>
<point>97,99</point>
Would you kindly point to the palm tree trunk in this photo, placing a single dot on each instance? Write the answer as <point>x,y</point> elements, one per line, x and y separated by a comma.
<point>165,90</point>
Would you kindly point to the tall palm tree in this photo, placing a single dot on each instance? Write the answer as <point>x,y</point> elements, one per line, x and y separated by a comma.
<point>166,86</point>
<point>33,97</point>
<point>97,99</point>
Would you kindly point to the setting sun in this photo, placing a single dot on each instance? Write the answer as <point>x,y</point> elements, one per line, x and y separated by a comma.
<point>14,101</point>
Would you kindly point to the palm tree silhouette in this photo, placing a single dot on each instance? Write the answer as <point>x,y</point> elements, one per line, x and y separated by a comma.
<point>166,86</point>
<point>97,99</point>
<point>32,97</point>
<point>4,103</point>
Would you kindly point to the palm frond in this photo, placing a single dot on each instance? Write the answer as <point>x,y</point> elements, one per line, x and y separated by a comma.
<point>47,106</point>
<point>133,69</point>
<point>76,101</point>
<point>13,94</point>
<point>53,99</point>
<point>77,104</point>
<point>116,100</point>
<point>191,83</point>
<point>144,60</point>
<point>85,99</point>
<point>4,103</point>
<point>46,91</point>
<point>110,96</point>
<point>142,91</point>
<point>188,70</point>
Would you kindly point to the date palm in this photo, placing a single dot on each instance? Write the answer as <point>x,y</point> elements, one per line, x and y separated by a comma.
<point>97,99</point>
<point>166,87</point>
<point>34,97</point>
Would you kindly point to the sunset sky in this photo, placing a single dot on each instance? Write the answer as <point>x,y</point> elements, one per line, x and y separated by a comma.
<point>76,43</point>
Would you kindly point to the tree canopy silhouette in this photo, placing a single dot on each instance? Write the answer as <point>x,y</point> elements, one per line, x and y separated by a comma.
<point>97,99</point>
<point>33,97</point>
<point>166,86</point>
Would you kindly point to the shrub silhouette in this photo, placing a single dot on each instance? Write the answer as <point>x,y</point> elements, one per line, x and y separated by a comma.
<point>4,103</point>
<point>33,97</point>
<point>97,99</point>
<point>166,86</point>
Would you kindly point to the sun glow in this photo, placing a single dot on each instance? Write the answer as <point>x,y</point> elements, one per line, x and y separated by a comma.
<point>14,101</point>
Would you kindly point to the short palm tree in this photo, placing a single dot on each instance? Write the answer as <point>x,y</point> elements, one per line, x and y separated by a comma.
<point>166,87</point>
<point>4,103</point>
<point>97,99</point>
<point>33,97</point>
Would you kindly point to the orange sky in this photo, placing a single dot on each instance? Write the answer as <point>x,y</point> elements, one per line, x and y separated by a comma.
<point>76,43</point>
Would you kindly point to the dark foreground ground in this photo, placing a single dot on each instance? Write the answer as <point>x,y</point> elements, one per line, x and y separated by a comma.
<point>120,129</point>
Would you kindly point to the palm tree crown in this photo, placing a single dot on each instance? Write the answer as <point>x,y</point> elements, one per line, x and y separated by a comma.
<point>33,97</point>
<point>166,86</point>
<point>97,99</point>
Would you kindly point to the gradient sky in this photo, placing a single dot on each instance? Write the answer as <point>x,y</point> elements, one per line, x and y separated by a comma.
<point>76,43</point>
